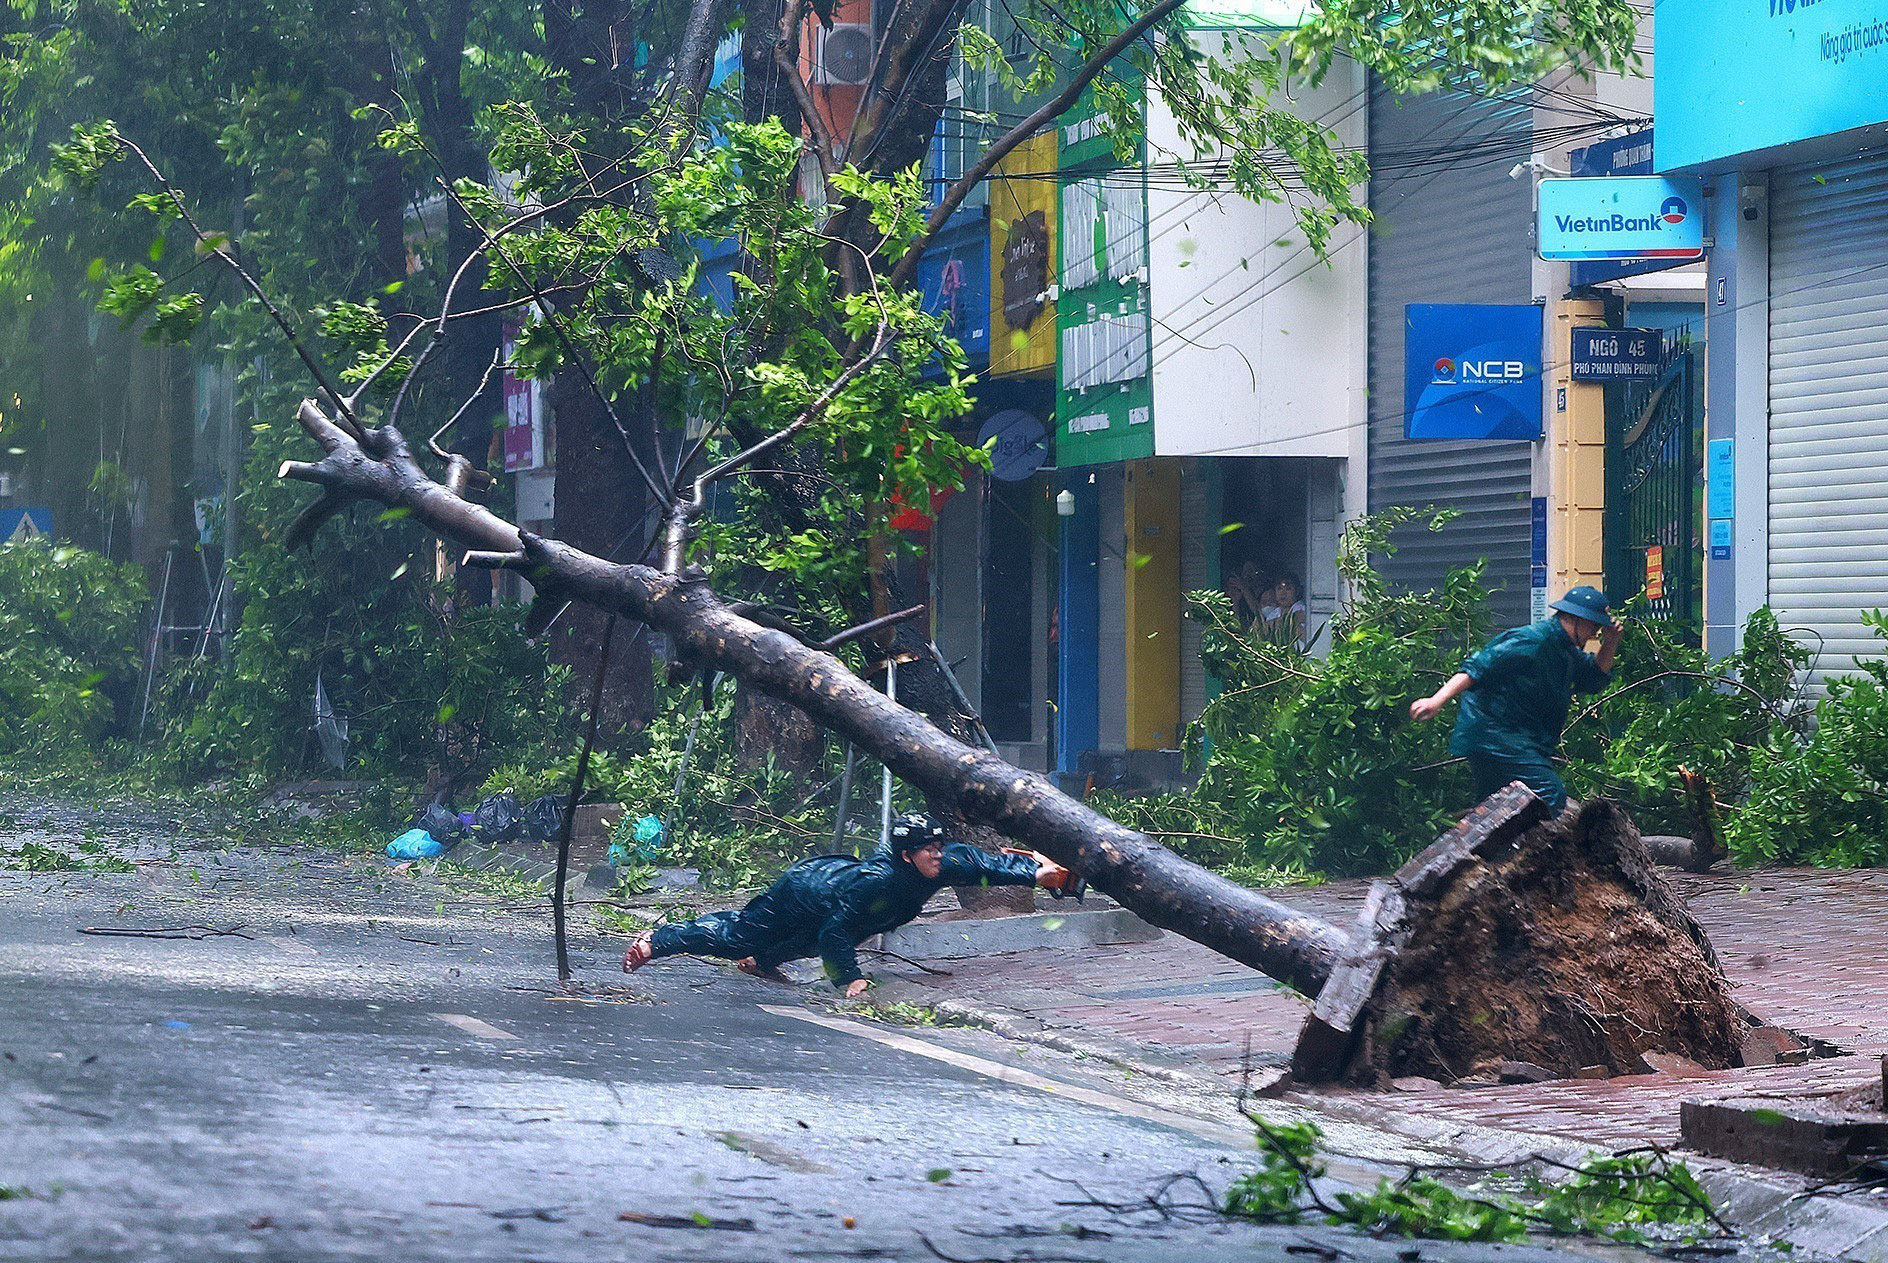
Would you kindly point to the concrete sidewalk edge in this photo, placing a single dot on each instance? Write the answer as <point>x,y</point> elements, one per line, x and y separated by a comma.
<point>1024,1029</point>
<point>1760,1204</point>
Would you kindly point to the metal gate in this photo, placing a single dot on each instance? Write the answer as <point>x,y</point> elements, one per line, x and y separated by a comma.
<point>1655,488</point>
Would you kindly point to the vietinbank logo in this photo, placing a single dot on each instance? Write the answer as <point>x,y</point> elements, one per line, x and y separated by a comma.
<point>1573,225</point>
<point>1621,217</point>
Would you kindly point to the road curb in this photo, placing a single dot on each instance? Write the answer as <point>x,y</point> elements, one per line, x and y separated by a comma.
<point>1024,1029</point>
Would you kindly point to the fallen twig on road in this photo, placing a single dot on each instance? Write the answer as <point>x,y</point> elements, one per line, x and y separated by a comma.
<point>686,1221</point>
<point>168,931</point>
<point>1034,1258</point>
<point>73,1109</point>
<point>879,951</point>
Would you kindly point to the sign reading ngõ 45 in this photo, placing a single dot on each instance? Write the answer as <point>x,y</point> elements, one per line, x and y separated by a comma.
<point>1622,217</point>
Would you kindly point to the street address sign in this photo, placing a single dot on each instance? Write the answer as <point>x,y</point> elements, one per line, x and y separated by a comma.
<point>1622,217</point>
<point>1617,355</point>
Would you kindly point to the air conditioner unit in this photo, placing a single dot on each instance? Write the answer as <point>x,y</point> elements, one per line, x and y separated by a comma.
<point>843,55</point>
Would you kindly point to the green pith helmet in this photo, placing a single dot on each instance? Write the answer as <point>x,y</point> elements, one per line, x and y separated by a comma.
<point>1585,602</point>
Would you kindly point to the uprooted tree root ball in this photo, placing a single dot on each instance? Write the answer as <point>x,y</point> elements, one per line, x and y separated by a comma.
<point>1549,943</point>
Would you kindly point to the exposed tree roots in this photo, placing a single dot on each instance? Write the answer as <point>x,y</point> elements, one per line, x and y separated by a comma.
<point>1549,944</point>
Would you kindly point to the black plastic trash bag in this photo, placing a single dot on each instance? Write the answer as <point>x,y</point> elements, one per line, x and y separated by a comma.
<point>443,823</point>
<point>498,818</point>
<point>543,817</point>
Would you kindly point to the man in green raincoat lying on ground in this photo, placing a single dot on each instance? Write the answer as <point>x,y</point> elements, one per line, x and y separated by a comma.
<point>1515,693</point>
<point>828,904</point>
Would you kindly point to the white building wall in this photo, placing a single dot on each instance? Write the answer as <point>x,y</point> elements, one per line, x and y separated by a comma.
<point>1258,347</point>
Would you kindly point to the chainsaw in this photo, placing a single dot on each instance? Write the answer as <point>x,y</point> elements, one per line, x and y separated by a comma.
<point>1061,883</point>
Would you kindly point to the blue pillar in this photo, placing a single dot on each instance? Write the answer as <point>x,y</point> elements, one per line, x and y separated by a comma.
<point>1737,422</point>
<point>1077,725</point>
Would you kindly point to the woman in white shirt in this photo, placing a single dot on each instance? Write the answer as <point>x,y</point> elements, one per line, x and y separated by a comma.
<point>1283,616</point>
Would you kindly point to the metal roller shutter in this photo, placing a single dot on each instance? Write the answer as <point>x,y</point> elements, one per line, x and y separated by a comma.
<point>1446,233</point>
<point>1829,403</point>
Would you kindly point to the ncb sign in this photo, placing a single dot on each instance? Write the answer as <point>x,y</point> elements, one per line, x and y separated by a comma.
<point>1471,371</point>
<point>1622,217</point>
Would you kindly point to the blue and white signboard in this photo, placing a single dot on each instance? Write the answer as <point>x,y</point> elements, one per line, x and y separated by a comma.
<point>17,525</point>
<point>1736,77</point>
<point>1616,355</point>
<point>1630,154</point>
<point>1471,372</point>
<point>1622,217</point>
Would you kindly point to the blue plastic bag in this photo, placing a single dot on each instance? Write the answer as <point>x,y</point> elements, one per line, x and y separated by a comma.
<point>415,844</point>
<point>637,842</point>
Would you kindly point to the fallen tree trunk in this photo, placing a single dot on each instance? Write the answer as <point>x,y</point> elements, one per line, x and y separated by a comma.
<point>1513,938</point>
<point>1142,875</point>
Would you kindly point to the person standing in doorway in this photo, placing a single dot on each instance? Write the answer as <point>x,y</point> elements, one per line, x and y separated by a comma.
<point>1250,590</point>
<point>1284,616</point>
<point>1516,689</point>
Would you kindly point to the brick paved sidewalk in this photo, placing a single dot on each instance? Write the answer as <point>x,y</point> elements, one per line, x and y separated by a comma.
<point>1806,949</point>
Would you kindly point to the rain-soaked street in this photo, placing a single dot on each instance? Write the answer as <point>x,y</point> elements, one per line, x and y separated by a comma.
<point>375,1066</point>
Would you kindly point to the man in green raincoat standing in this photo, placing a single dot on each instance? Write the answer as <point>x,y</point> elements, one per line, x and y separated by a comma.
<point>1515,691</point>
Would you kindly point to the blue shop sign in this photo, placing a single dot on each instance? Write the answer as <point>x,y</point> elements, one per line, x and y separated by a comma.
<point>1622,217</point>
<point>1617,355</point>
<point>954,281</point>
<point>1018,443</point>
<point>1736,79</point>
<point>1471,372</point>
<point>1630,154</point>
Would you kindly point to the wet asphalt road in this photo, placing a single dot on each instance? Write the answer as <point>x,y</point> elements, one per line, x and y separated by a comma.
<point>381,1071</point>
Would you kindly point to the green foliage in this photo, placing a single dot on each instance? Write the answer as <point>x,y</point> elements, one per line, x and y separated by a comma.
<point>90,856</point>
<point>1276,1192</point>
<point>1423,45</point>
<point>1617,1195</point>
<point>1623,1197</point>
<point>1315,763</point>
<point>1224,89</point>
<point>1823,800</point>
<point>1422,1206</point>
<point>739,825</point>
<point>69,660</point>
<point>1671,706</point>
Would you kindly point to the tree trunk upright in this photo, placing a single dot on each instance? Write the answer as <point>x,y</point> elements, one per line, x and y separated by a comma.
<point>600,503</point>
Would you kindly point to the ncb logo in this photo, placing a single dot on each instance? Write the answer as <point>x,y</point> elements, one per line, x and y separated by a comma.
<point>1448,372</point>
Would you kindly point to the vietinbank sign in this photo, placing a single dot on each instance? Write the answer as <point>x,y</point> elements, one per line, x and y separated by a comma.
<point>1738,77</point>
<point>1622,217</point>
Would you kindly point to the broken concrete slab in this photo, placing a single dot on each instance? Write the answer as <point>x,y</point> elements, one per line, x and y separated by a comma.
<point>1768,1045</point>
<point>1655,1061</point>
<point>1828,1138</point>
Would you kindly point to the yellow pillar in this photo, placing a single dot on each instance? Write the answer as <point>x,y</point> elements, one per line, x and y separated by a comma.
<point>1153,604</point>
<point>1576,460</point>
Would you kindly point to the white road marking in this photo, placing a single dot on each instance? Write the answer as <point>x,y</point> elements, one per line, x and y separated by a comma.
<point>1205,1130</point>
<point>292,946</point>
<point>472,1026</point>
